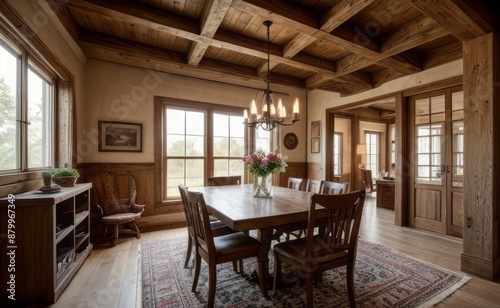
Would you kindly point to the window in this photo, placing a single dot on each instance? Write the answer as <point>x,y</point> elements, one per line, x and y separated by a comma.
<point>200,141</point>
<point>229,144</point>
<point>262,140</point>
<point>26,123</point>
<point>337,153</point>
<point>372,152</point>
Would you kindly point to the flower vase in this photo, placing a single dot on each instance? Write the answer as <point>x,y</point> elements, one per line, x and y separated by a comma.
<point>263,186</point>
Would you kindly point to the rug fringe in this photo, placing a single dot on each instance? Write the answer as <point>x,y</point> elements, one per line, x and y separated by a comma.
<point>445,294</point>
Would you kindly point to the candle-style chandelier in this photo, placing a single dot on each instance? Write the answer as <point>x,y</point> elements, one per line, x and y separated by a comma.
<point>270,116</point>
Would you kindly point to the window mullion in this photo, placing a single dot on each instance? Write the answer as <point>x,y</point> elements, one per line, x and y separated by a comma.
<point>23,73</point>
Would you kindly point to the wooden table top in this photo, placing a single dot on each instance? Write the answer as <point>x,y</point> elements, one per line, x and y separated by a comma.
<point>235,206</point>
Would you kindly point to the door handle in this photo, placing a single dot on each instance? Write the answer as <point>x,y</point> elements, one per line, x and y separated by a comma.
<point>448,169</point>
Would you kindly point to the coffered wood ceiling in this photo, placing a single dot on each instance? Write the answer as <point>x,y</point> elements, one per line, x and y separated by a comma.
<point>345,46</point>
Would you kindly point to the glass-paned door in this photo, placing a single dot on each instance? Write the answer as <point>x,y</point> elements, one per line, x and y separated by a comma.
<point>436,158</point>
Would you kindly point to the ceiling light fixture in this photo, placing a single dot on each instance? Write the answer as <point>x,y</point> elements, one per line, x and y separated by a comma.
<point>270,116</point>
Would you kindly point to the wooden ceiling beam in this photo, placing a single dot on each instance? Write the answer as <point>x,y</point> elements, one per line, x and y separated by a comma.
<point>340,13</point>
<point>187,30</point>
<point>367,52</point>
<point>211,18</point>
<point>456,16</point>
<point>66,18</point>
<point>420,31</point>
<point>295,45</point>
<point>106,47</point>
<point>402,65</point>
<point>385,76</point>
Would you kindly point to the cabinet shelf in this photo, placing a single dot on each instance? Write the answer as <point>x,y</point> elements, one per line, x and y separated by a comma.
<point>80,239</point>
<point>63,233</point>
<point>53,241</point>
<point>79,217</point>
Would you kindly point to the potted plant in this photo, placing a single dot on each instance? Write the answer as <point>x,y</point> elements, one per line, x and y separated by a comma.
<point>65,177</point>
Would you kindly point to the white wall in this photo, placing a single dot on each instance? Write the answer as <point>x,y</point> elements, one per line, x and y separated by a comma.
<point>121,93</point>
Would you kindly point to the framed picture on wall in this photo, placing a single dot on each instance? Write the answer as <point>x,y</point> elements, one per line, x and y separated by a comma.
<point>315,129</point>
<point>315,145</point>
<point>120,137</point>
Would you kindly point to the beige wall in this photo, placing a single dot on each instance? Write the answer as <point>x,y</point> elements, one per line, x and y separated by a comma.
<point>318,100</point>
<point>120,93</point>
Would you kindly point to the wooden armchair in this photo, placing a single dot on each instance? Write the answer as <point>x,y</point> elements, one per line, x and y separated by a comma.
<point>114,196</point>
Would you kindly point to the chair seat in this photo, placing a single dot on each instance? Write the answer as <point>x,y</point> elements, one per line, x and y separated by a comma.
<point>235,243</point>
<point>121,217</point>
<point>219,228</point>
<point>295,250</point>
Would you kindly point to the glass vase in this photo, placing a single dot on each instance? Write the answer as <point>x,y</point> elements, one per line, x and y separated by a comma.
<point>263,186</point>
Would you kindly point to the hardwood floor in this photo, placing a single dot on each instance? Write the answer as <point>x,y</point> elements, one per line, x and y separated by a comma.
<point>109,277</point>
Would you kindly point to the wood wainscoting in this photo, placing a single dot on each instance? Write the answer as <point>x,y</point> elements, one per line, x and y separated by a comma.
<point>153,218</point>
<point>294,170</point>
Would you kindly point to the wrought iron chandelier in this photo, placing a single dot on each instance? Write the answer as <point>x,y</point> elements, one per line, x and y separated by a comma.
<point>270,116</point>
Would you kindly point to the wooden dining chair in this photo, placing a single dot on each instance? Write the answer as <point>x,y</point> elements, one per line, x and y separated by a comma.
<point>335,246</point>
<point>224,180</point>
<point>294,183</point>
<point>314,186</point>
<point>221,249</point>
<point>218,228</point>
<point>334,188</point>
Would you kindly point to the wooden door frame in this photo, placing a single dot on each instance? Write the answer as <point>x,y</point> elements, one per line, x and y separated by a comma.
<point>401,169</point>
<point>402,165</point>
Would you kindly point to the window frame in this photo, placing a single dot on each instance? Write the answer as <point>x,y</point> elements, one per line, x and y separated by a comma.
<point>161,103</point>
<point>26,61</point>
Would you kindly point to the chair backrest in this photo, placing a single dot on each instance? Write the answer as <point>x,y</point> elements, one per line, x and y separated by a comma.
<point>343,218</point>
<point>224,180</point>
<point>334,188</point>
<point>187,211</point>
<point>314,186</point>
<point>294,183</point>
<point>113,193</point>
<point>201,222</point>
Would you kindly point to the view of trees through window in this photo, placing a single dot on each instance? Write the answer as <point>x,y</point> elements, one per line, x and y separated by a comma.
<point>193,151</point>
<point>33,150</point>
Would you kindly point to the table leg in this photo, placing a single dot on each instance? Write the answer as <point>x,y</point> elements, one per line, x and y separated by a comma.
<point>265,236</point>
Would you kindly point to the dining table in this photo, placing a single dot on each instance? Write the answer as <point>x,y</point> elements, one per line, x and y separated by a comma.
<point>235,206</point>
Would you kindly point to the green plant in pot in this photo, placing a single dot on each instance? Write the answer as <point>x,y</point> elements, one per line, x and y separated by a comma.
<point>65,177</point>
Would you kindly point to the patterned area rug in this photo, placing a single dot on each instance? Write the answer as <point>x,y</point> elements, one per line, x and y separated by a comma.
<point>383,278</point>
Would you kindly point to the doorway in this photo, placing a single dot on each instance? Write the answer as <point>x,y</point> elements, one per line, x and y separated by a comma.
<point>436,157</point>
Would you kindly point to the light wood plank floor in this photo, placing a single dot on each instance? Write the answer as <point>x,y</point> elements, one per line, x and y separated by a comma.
<point>108,278</point>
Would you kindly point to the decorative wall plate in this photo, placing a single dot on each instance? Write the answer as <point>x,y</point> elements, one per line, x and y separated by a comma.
<point>290,141</point>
